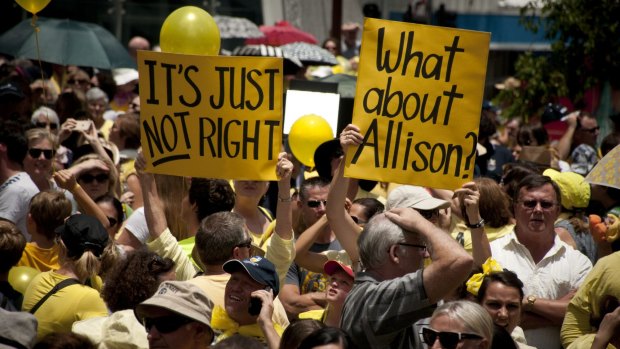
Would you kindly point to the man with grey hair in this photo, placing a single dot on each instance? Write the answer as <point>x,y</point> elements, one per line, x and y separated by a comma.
<point>395,290</point>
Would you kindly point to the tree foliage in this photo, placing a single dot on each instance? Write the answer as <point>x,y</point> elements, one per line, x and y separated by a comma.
<point>585,52</point>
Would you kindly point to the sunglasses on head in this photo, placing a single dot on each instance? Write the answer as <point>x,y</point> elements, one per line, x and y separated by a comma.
<point>428,214</point>
<point>52,125</point>
<point>531,204</point>
<point>36,153</point>
<point>165,324</point>
<point>316,203</point>
<point>448,340</point>
<point>88,178</point>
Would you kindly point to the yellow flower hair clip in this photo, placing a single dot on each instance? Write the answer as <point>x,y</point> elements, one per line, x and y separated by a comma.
<point>475,281</point>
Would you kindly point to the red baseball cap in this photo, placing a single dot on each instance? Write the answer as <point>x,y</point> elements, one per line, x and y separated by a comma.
<point>330,267</point>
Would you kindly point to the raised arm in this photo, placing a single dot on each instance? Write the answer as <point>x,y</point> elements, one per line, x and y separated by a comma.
<point>469,199</point>
<point>66,179</point>
<point>339,219</point>
<point>153,206</point>
<point>563,145</point>
<point>451,264</point>
<point>303,256</point>
<point>284,216</point>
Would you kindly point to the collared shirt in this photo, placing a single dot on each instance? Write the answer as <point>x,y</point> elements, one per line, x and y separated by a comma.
<point>381,314</point>
<point>561,270</point>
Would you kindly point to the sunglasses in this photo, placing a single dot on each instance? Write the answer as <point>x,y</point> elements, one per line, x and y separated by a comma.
<point>165,324</point>
<point>316,203</point>
<point>448,340</point>
<point>78,81</point>
<point>36,153</point>
<point>88,178</point>
<point>247,243</point>
<point>531,204</point>
<point>422,248</point>
<point>428,214</point>
<point>52,125</point>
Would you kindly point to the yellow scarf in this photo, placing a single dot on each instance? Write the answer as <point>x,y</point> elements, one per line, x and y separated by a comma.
<point>220,321</point>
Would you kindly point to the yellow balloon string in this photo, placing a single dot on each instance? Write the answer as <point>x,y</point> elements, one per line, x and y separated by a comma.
<point>33,23</point>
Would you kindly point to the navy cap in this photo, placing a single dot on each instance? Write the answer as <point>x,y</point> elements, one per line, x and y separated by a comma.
<point>82,233</point>
<point>260,269</point>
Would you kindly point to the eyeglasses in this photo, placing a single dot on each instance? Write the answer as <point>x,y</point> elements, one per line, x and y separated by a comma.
<point>247,243</point>
<point>316,203</point>
<point>113,221</point>
<point>88,178</point>
<point>428,214</point>
<point>448,340</point>
<point>165,324</point>
<point>531,204</point>
<point>421,247</point>
<point>36,153</point>
<point>52,125</point>
<point>591,130</point>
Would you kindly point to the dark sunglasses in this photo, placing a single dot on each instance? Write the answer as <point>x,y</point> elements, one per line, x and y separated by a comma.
<point>531,204</point>
<point>52,125</point>
<point>88,178</point>
<point>428,214</point>
<point>165,324</point>
<point>316,203</point>
<point>113,221</point>
<point>36,153</point>
<point>448,340</point>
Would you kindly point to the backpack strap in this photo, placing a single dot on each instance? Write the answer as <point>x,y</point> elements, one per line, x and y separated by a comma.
<point>59,286</point>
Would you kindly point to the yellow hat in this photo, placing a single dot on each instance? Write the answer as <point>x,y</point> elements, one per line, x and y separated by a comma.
<point>575,191</point>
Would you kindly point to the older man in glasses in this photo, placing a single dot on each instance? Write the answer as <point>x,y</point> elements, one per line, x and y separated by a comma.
<point>550,269</point>
<point>395,289</point>
<point>178,316</point>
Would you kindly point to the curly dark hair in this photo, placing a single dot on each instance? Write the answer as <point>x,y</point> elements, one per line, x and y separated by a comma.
<point>134,279</point>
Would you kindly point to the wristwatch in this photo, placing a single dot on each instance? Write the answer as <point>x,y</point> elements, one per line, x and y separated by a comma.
<point>530,302</point>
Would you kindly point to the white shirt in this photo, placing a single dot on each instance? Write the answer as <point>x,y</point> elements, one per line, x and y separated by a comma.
<point>15,195</point>
<point>560,271</point>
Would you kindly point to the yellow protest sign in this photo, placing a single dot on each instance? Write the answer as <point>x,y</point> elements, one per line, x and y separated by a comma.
<point>212,117</point>
<point>418,102</point>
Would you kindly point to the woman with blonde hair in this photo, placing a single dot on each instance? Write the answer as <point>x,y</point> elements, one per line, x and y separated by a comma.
<point>84,247</point>
<point>459,324</point>
<point>38,161</point>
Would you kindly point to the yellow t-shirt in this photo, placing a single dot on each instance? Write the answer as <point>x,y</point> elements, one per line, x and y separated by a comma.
<point>42,259</point>
<point>62,309</point>
<point>462,234</point>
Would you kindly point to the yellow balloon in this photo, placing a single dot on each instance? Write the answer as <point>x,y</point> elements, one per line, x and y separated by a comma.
<point>190,30</point>
<point>307,133</point>
<point>20,277</point>
<point>33,6</point>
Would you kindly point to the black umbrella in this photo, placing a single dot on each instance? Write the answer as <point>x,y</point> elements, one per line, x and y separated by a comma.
<point>309,54</point>
<point>67,42</point>
<point>291,64</point>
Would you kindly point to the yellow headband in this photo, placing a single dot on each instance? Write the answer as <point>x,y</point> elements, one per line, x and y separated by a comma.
<point>475,281</point>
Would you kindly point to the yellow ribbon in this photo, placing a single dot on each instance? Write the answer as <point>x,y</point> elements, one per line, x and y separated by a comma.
<point>221,322</point>
<point>474,282</point>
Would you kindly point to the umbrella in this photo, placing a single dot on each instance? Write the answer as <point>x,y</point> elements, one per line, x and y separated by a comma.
<point>67,42</point>
<point>607,170</point>
<point>310,54</point>
<point>346,84</point>
<point>281,34</point>
<point>237,28</point>
<point>291,64</point>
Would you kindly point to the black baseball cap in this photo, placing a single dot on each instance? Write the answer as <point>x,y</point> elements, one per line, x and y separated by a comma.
<point>260,269</point>
<point>82,233</point>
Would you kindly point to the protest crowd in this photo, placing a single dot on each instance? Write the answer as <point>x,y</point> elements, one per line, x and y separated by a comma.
<point>98,251</point>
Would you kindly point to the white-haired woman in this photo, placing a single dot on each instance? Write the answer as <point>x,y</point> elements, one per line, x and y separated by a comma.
<point>459,325</point>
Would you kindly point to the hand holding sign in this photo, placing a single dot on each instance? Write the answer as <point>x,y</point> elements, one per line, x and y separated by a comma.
<point>190,30</point>
<point>350,136</point>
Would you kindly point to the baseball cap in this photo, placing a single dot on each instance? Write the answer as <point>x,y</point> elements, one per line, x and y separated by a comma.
<point>260,269</point>
<point>323,156</point>
<point>81,233</point>
<point>414,197</point>
<point>182,298</point>
<point>331,267</point>
<point>124,76</point>
<point>574,190</point>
